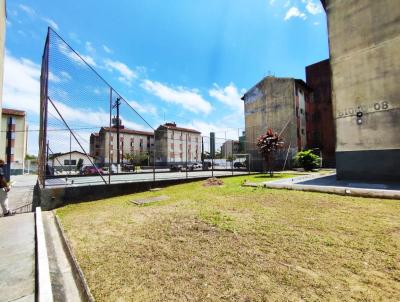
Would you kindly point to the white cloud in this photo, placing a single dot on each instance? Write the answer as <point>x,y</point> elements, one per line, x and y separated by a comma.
<point>143,108</point>
<point>127,75</point>
<point>89,47</point>
<point>28,10</point>
<point>89,60</point>
<point>272,2</point>
<point>294,12</point>
<point>189,99</point>
<point>74,37</point>
<point>21,84</point>
<point>106,49</point>
<point>51,22</point>
<point>228,95</point>
<point>314,8</point>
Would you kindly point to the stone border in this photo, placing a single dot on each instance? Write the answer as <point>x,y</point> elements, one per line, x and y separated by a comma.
<point>78,275</point>
<point>43,283</point>
<point>356,192</point>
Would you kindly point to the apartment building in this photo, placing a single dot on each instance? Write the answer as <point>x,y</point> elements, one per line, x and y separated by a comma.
<point>178,145</point>
<point>279,104</point>
<point>230,147</point>
<point>319,112</point>
<point>18,139</point>
<point>364,44</point>
<point>130,141</point>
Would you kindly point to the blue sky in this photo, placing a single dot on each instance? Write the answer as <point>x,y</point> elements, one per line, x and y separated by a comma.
<point>188,61</point>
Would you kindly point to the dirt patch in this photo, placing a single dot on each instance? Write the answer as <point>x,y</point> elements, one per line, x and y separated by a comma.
<point>213,181</point>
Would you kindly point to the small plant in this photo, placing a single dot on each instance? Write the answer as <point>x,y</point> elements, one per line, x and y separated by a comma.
<point>307,160</point>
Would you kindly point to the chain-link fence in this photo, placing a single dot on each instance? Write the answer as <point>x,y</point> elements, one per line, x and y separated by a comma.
<point>89,133</point>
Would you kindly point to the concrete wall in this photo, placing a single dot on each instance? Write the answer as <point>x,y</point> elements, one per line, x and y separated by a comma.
<point>364,39</point>
<point>51,198</point>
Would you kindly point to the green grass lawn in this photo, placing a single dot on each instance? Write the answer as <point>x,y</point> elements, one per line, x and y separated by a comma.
<point>233,243</point>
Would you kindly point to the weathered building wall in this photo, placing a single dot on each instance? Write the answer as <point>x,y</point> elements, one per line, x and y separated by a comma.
<point>364,39</point>
<point>270,104</point>
<point>320,125</point>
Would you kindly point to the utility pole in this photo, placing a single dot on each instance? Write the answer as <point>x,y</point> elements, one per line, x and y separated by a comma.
<point>116,105</point>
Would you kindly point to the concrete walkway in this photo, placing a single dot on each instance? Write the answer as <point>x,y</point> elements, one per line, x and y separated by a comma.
<point>329,184</point>
<point>21,193</point>
<point>17,258</point>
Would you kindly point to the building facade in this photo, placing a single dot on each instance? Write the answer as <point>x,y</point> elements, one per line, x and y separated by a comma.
<point>131,142</point>
<point>177,145</point>
<point>364,45</point>
<point>229,148</point>
<point>319,112</point>
<point>279,104</point>
<point>68,161</point>
<point>19,138</point>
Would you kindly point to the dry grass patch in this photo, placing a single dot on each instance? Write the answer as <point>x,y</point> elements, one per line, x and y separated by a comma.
<point>234,243</point>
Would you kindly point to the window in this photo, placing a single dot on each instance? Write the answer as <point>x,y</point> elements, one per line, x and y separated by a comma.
<point>180,147</point>
<point>172,134</point>
<point>68,163</point>
<point>302,131</point>
<point>172,146</point>
<point>301,111</point>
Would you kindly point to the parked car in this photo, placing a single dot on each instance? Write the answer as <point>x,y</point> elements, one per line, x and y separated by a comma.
<point>176,168</point>
<point>238,165</point>
<point>91,170</point>
<point>195,166</point>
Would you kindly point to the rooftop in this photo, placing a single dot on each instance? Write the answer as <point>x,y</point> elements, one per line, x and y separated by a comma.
<point>128,131</point>
<point>8,111</point>
<point>172,126</point>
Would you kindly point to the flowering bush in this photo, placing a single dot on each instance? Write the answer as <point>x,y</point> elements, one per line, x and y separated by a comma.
<point>268,143</point>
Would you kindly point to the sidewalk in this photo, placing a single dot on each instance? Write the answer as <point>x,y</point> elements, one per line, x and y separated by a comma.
<point>17,258</point>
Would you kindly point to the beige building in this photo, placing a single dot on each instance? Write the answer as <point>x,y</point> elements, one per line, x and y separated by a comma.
<point>177,145</point>
<point>19,137</point>
<point>230,147</point>
<point>131,141</point>
<point>364,43</point>
<point>279,104</point>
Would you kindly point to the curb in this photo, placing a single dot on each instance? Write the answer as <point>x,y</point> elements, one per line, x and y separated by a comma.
<point>79,277</point>
<point>43,284</point>
<point>344,191</point>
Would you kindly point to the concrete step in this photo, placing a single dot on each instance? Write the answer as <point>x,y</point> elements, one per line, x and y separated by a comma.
<point>62,279</point>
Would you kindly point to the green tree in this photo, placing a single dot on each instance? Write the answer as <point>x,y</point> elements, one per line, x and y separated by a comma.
<point>307,160</point>
<point>79,165</point>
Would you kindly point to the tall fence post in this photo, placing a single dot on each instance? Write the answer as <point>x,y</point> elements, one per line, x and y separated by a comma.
<point>109,142</point>
<point>187,167</point>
